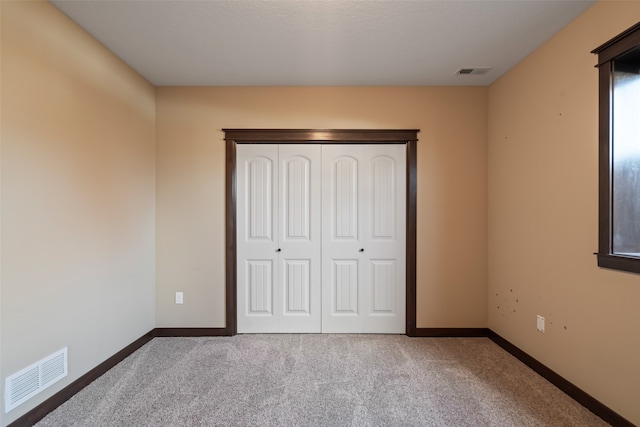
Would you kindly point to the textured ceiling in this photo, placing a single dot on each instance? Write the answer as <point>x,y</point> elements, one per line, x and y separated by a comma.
<point>318,43</point>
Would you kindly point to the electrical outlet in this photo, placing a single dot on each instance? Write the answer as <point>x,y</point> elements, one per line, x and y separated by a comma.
<point>540,323</point>
<point>179,298</point>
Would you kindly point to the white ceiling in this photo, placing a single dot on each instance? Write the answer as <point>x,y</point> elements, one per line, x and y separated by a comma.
<point>320,43</point>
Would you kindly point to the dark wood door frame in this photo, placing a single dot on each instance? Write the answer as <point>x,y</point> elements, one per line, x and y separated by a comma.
<point>233,137</point>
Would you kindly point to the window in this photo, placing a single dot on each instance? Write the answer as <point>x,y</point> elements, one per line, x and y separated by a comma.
<point>619,151</point>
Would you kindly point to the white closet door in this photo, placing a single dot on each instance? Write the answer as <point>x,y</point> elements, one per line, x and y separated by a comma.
<point>363,238</point>
<point>257,237</point>
<point>278,238</point>
<point>300,238</point>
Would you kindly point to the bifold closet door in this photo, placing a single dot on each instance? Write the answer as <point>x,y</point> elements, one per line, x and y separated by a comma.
<point>278,238</point>
<point>363,238</point>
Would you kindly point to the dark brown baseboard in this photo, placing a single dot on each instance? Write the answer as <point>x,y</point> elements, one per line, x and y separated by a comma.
<point>40,411</point>
<point>192,332</point>
<point>580,396</point>
<point>586,400</point>
<point>450,332</point>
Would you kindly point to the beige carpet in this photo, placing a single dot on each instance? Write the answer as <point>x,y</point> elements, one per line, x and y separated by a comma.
<point>321,380</point>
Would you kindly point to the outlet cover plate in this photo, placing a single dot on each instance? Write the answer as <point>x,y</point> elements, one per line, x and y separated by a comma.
<point>540,323</point>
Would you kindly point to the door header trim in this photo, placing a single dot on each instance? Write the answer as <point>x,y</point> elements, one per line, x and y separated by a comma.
<point>310,136</point>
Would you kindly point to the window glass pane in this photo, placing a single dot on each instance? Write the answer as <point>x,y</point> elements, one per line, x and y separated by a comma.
<point>626,160</point>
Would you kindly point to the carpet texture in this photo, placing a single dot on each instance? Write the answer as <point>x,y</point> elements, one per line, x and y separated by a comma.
<point>321,380</point>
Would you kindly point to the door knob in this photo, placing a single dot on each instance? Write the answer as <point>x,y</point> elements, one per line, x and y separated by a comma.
<point>278,250</point>
<point>361,250</point>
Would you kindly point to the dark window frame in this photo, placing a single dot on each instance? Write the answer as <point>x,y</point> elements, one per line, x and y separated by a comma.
<point>607,53</point>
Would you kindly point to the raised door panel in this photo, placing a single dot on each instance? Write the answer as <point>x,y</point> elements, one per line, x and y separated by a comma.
<point>296,186</point>
<point>383,206</point>
<point>259,301</point>
<point>344,203</point>
<point>258,184</point>
<point>344,288</point>
<point>383,287</point>
<point>296,278</point>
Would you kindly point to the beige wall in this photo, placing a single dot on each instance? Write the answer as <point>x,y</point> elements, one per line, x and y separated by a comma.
<point>90,153</point>
<point>543,217</point>
<point>78,196</point>
<point>452,194</point>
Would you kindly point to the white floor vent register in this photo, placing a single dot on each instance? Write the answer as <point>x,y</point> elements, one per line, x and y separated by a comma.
<point>30,381</point>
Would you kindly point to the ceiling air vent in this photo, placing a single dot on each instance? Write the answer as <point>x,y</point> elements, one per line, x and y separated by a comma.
<point>473,71</point>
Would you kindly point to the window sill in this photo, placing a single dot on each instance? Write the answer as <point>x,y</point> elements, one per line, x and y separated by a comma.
<point>619,262</point>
